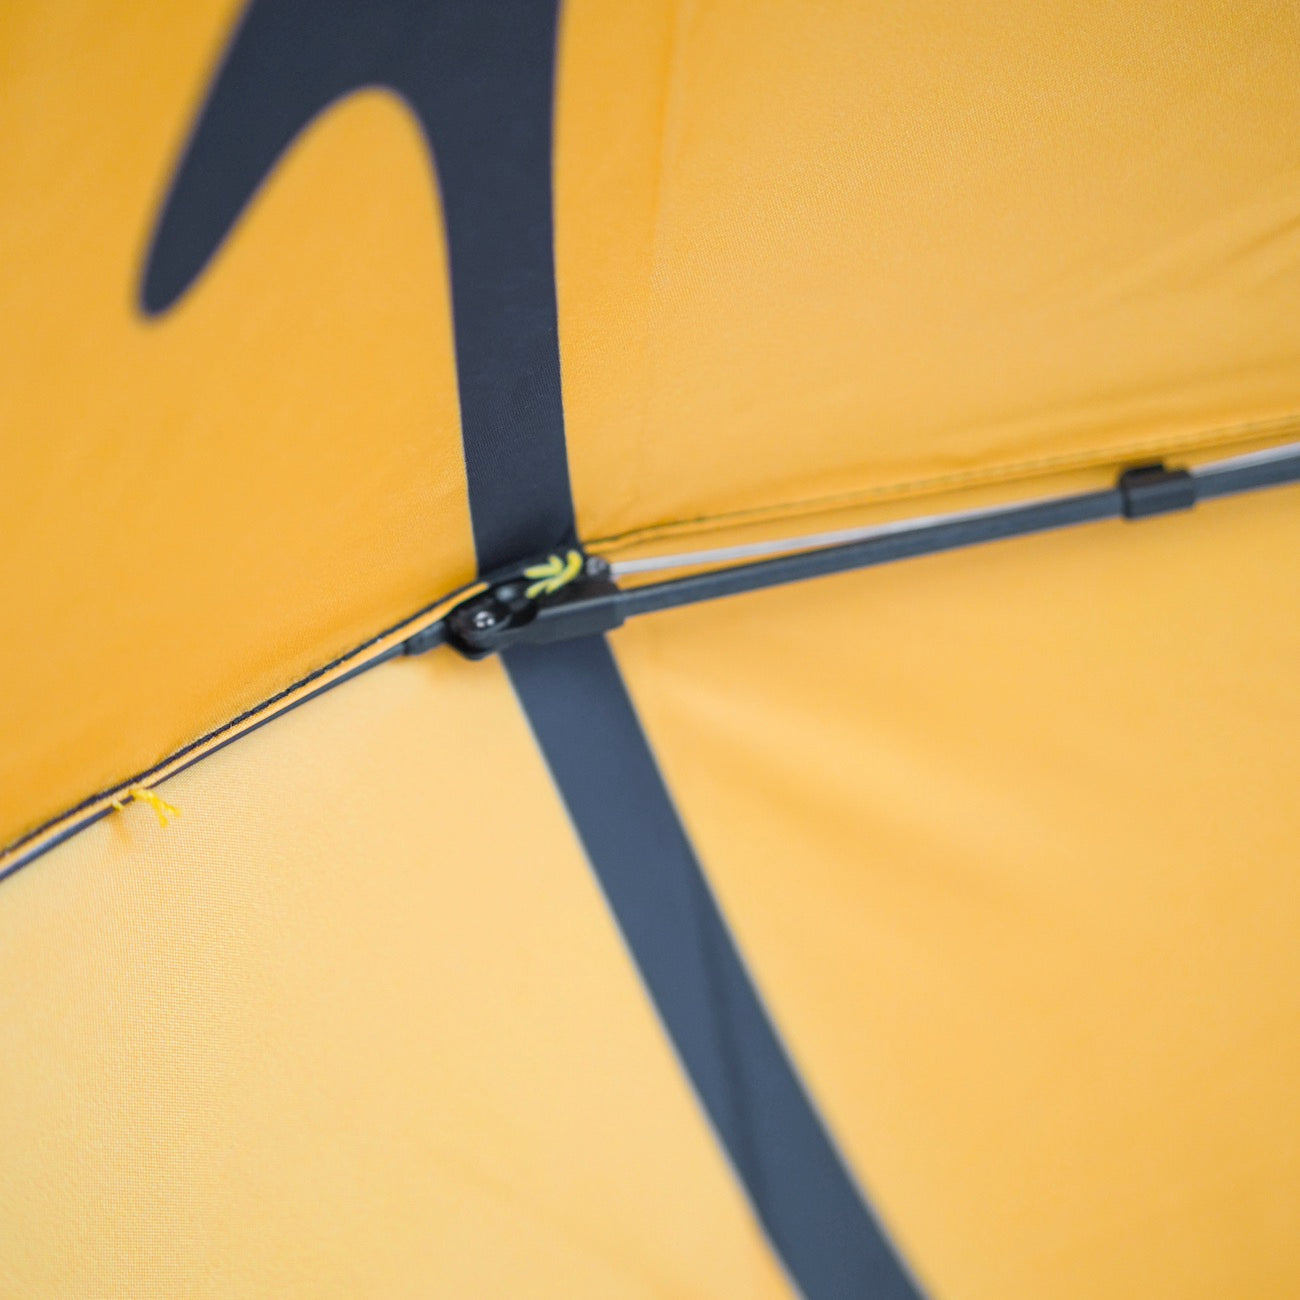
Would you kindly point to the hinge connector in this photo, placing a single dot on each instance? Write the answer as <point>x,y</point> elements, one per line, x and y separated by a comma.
<point>1155,490</point>
<point>557,598</point>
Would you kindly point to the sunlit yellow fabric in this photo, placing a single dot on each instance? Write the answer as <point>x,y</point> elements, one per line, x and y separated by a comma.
<point>803,259</point>
<point>1009,838</point>
<point>202,508</point>
<point>357,1024</point>
<point>1023,906</point>
<point>842,248</point>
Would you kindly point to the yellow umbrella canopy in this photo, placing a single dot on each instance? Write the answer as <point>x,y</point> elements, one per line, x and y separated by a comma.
<point>651,649</point>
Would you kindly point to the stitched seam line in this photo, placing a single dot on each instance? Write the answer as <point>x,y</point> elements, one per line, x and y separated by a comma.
<point>29,842</point>
<point>1009,472</point>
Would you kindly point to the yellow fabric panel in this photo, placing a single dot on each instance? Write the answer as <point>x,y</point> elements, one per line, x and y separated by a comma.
<point>200,509</point>
<point>847,249</point>
<point>357,1024</point>
<point>801,256</point>
<point>1009,839</point>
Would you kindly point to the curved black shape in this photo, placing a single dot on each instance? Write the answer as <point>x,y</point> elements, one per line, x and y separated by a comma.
<point>479,78</point>
<point>589,733</point>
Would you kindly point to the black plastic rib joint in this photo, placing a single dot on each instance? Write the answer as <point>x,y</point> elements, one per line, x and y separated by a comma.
<point>516,611</point>
<point>1154,490</point>
<point>505,616</point>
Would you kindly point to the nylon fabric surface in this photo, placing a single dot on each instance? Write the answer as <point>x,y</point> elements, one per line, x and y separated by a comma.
<point>828,253</point>
<point>517,477</point>
<point>358,1023</point>
<point>203,509</point>
<point>798,263</point>
<point>594,746</point>
<point>1008,838</point>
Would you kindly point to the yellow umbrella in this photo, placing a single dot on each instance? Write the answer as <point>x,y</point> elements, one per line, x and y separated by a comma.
<point>780,520</point>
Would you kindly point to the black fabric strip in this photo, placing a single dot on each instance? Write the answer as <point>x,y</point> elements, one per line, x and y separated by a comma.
<point>593,743</point>
<point>479,77</point>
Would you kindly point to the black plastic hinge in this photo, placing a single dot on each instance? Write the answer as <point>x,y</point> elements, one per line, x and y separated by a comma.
<point>1155,490</point>
<point>559,598</point>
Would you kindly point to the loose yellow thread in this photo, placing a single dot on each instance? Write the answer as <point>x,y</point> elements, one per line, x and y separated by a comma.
<point>553,574</point>
<point>138,793</point>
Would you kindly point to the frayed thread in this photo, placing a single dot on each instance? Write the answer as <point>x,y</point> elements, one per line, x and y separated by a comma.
<point>140,794</point>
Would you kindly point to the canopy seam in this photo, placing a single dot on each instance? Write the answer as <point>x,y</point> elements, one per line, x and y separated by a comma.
<point>991,475</point>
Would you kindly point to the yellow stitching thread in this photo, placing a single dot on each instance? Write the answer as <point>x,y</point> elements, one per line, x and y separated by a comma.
<point>139,794</point>
<point>553,574</point>
<point>32,842</point>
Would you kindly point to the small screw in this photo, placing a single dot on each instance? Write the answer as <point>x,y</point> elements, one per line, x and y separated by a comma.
<point>482,619</point>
